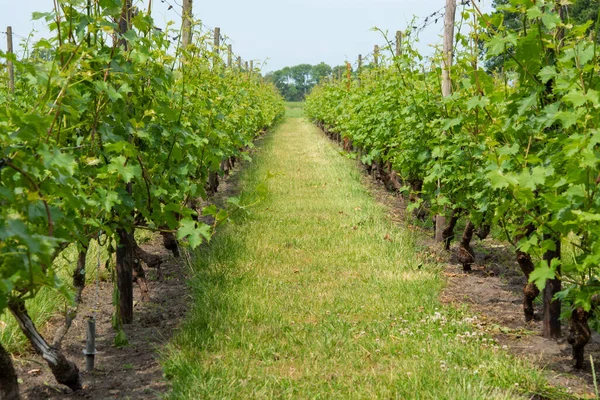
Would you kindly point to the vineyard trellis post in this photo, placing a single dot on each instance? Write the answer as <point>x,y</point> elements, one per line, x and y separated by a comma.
<point>348,75</point>
<point>440,220</point>
<point>239,63</point>
<point>9,64</point>
<point>125,247</point>
<point>216,46</point>
<point>376,56</point>
<point>186,27</point>
<point>359,69</point>
<point>398,43</point>
<point>551,326</point>
<point>229,56</point>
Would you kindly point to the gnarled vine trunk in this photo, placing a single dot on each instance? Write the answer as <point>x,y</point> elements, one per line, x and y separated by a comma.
<point>65,371</point>
<point>483,231</point>
<point>79,285</point>
<point>170,243</point>
<point>139,275</point>
<point>448,232</point>
<point>579,334</point>
<point>9,385</point>
<point>551,323</point>
<point>465,253</point>
<point>530,290</point>
<point>125,260</point>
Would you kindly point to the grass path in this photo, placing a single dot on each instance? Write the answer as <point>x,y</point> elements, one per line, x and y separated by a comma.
<point>318,295</point>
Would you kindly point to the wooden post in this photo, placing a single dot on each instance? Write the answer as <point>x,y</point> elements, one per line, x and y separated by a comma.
<point>440,220</point>
<point>9,64</point>
<point>239,62</point>
<point>359,68</point>
<point>186,24</point>
<point>229,56</point>
<point>246,65</point>
<point>251,66</point>
<point>216,46</point>
<point>217,42</point>
<point>125,251</point>
<point>376,56</point>
<point>398,43</point>
<point>348,75</point>
<point>551,328</point>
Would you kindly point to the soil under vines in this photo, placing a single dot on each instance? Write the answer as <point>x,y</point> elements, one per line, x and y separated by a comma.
<point>132,371</point>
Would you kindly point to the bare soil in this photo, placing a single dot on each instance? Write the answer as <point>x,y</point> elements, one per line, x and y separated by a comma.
<point>132,371</point>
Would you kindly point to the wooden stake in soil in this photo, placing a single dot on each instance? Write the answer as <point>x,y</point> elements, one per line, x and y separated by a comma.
<point>440,220</point>
<point>551,323</point>
<point>552,307</point>
<point>125,250</point>
<point>239,63</point>
<point>9,64</point>
<point>186,25</point>
<point>398,43</point>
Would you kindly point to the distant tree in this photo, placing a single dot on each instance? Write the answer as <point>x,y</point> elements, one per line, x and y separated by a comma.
<point>321,71</point>
<point>296,82</point>
<point>302,76</point>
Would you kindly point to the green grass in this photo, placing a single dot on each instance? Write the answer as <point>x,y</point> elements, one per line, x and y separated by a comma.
<point>294,109</point>
<point>318,295</point>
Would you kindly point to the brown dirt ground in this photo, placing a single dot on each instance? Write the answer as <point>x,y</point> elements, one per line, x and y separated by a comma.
<point>493,290</point>
<point>132,371</point>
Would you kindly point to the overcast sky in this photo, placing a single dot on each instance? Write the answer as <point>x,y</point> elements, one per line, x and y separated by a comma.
<point>278,32</point>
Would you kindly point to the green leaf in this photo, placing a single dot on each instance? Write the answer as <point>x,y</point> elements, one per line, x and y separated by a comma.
<point>543,272</point>
<point>498,43</point>
<point>194,232</point>
<point>576,97</point>
<point>127,171</point>
<point>534,12</point>
<point>547,73</point>
<point>550,20</point>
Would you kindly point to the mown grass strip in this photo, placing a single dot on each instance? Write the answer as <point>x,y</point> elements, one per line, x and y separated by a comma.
<point>318,295</point>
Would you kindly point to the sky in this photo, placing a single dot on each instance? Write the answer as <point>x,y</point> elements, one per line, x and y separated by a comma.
<point>277,33</point>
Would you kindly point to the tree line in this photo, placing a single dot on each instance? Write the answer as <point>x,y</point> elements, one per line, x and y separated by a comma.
<point>294,83</point>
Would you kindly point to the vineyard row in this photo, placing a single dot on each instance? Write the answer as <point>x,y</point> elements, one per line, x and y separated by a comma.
<point>514,146</point>
<point>112,126</point>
